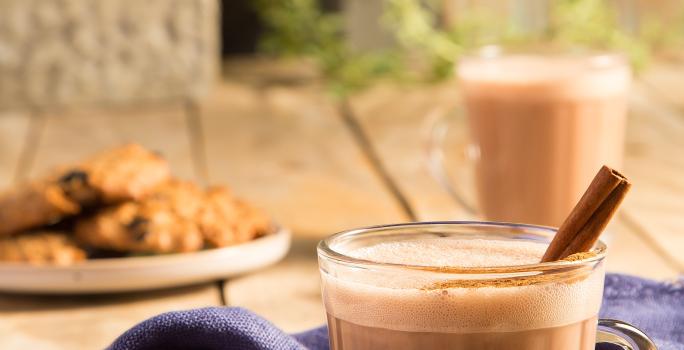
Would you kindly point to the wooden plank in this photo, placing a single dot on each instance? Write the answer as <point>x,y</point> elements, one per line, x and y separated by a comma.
<point>665,77</point>
<point>287,150</point>
<point>93,322</point>
<point>287,294</point>
<point>657,126</point>
<point>263,71</point>
<point>69,136</point>
<point>88,322</point>
<point>14,131</point>
<point>393,118</point>
<point>396,120</point>
<point>631,253</point>
<point>655,163</point>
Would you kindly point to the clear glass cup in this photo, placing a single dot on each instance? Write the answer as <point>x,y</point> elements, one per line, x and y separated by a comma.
<point>533,128</point>
<point>381,305</point>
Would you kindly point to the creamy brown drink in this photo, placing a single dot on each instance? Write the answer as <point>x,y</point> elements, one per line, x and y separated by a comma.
<point>417,309</point>
<point>542,125</point>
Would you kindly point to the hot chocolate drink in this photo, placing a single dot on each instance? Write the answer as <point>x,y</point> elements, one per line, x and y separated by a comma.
<point>542,125</point>
<point>371,309</point>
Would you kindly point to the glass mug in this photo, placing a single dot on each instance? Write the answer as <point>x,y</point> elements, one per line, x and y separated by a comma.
<point>386,305</point>
<point>539,125</point>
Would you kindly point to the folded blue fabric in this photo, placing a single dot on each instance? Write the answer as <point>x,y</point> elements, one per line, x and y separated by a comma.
<point>655,307</point>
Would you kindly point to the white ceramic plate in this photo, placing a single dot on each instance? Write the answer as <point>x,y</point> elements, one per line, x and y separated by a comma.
<point>147,272</point>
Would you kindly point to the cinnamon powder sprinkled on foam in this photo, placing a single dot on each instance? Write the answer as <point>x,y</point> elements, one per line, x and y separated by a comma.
<point>579,256</point>
<point>567,277</point>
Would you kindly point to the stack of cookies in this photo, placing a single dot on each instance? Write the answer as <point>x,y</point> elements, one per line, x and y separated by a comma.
<point>120,202</point>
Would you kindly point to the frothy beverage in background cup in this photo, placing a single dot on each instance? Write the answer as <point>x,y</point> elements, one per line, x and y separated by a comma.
<point>459,285</point>
<point>539,127</point>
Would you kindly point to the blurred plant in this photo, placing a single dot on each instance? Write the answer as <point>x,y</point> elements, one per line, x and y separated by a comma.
<point>593,24</point>
<point>299,27</point>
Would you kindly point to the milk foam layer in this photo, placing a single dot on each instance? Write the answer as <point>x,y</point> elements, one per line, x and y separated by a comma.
<point>400,301</point>
<point>453,252</point>
<point>543,77</point>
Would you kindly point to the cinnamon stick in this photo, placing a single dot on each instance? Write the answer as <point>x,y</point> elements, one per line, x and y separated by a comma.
<point>589,217</point>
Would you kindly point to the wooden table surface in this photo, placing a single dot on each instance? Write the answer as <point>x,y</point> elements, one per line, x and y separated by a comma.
<point>319,165</point>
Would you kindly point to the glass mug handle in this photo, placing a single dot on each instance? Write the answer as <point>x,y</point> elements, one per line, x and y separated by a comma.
<point>623,334</point>
<point>437,126</point>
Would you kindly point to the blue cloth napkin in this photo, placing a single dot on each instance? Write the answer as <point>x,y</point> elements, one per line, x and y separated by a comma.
<point>655,307</point>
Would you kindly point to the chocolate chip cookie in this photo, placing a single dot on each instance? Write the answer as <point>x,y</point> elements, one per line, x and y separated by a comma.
<point>123,173</point>
<point>41,248</point>
<point>160,223</point>
<point>225,220</point>
<point>176,217</point>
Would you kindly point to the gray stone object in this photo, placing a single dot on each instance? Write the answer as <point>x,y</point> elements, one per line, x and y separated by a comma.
<point>88,52</point>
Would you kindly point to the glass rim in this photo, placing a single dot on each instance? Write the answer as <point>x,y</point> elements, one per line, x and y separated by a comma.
<point>325,250</point>
<point>494,50</point>
<point>597,59</point>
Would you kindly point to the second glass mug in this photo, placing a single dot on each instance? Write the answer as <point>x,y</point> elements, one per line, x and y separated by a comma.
<point>539,125</point>
<point>545,306</point>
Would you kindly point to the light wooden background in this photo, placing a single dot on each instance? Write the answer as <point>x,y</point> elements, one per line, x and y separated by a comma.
<point>319,166</point>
